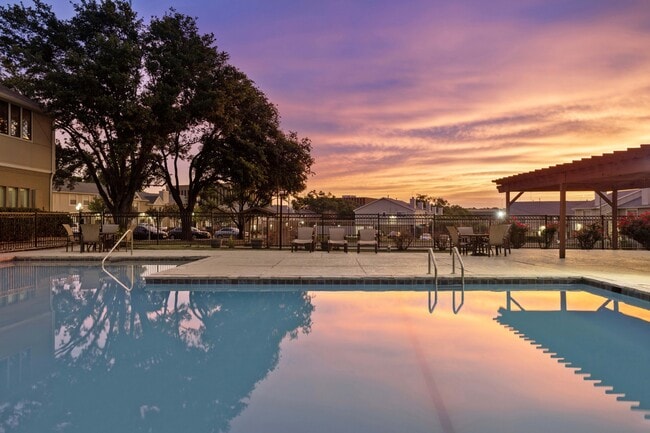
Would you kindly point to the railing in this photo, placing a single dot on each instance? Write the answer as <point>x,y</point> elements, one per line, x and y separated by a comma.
<point>29,230</point>
<point>455,254</point>
<point>128,289</point>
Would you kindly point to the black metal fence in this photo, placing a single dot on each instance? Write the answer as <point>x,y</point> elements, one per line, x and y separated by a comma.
<point>21,231</point>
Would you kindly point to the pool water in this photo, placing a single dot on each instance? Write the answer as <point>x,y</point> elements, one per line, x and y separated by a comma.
<point>78,353</point>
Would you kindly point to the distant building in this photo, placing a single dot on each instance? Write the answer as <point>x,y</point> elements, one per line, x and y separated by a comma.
<point>631,202</point>
<point>66,200</point>
<point>391,207</point>
<point>27,148</point>
<point>530,208</point>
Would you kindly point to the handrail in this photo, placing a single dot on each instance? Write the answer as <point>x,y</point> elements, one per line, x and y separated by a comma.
<point>462,265</point>
<point>128,289</point>
<point>432,259</point>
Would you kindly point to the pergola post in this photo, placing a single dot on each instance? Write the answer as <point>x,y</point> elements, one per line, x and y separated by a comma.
<point>562,228</point>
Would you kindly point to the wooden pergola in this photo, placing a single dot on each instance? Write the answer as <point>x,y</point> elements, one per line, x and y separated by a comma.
<point>616,171</point>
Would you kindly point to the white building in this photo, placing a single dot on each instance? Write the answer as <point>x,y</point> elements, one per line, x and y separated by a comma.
<point>630,202</point>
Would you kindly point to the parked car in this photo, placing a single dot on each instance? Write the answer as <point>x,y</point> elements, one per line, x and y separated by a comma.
<point>145,232</point>
<point>226,232</point>
<point>177,233</point>
<point>425,237</point>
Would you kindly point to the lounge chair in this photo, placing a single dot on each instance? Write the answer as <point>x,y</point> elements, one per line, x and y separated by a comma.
<point>90,236</point>
<point>456,240</point>
<point>367,238</point>
<point>305,237</point>
<point>337,239</point>
<point>71,239</point>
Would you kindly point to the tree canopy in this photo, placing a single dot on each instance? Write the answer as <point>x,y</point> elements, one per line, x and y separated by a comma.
<point>138,102</point>
<point>323,203</point>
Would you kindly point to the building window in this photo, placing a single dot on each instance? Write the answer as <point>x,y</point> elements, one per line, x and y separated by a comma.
<point>14,129</point>
<point>27,124</point>
<point>4,117</point>
<point>2,196</point>
<point>73,201</point>
<point>15,120</point>
<point>12,197</point>
<point>23,197</point>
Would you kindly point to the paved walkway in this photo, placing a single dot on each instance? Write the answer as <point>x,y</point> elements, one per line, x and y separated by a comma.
<point>618,268</point>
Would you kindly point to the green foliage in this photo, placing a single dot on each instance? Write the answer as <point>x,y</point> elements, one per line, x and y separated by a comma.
<point>97,205</point>
<point>455,210</point>
<point>137,102</point>
<point>87,73</point>
<point>324,203</point>
<point>19,225</point>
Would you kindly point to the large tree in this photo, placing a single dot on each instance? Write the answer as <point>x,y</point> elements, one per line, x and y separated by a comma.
<point>87,72</point>
<point>187,87</point>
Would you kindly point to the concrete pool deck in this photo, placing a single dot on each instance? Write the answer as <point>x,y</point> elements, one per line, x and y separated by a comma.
<point>621,268</point>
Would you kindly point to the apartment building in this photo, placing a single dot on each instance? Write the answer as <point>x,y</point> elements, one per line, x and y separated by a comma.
<point>27,153</point>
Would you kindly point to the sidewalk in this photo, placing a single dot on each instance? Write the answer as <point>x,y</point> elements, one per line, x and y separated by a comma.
<point>617,268</point>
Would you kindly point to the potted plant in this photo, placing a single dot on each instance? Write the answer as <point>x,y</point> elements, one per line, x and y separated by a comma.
<point>231,242</point>
<point>588,235</point>
<point>637,228</point>
<point>547,234</point>
<point>517,233</point>
<point>403,241</point>
<point>257,243</point>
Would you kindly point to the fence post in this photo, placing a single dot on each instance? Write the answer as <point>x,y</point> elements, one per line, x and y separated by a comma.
<point>35,229</point>
<point>602,225</point>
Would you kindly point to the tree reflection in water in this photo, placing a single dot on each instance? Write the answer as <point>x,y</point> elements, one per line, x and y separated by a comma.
<point>160,361</point>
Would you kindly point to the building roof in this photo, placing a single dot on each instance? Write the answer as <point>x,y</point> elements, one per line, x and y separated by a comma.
<point>521,208</point>
<point>79,188</point>
<point>18,98</point>
<point>389,201</point>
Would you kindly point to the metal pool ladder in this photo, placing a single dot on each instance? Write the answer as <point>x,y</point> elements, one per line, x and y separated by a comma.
<point>431,258</point>
<point>128,289</point>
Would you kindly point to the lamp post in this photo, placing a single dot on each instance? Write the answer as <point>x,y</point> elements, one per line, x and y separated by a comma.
<point>81,236</point>
<point>281,195</point>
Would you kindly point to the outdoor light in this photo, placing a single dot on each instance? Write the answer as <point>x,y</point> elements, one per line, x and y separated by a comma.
<point>501,214</point>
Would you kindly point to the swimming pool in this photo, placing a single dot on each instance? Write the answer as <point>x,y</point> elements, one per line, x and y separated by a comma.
<point>78,353</point>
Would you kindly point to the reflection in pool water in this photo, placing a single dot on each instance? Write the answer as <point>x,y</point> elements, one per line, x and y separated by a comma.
<point>80,354</point>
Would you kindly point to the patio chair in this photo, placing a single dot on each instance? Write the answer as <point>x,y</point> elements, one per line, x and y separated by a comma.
<point>108,235</point>
<point>456,240</point>
<point>90,236</point>
<point>304,237</point>
<point>337,239</point>
<point>70,237</point>
<point>367,238</point>
<point>497,238</point>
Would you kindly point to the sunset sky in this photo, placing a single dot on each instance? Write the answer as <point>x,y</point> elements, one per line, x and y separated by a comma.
<point>440,97</point>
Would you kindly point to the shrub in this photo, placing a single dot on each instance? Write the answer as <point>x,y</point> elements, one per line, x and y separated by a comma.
<point>637,228</point>
<point>517,233</point>
<point>588,235</point>
<point>547,234</point>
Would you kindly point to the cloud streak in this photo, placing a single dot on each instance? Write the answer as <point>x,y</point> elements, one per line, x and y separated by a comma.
<point>438,97</point>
